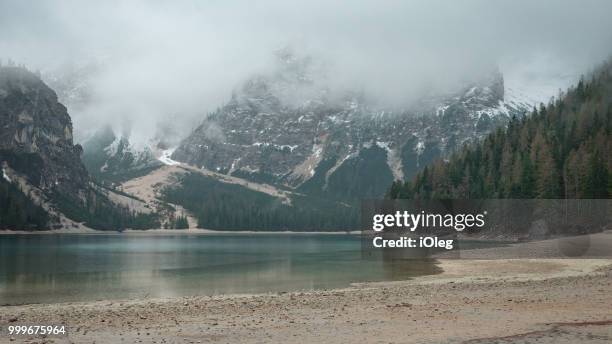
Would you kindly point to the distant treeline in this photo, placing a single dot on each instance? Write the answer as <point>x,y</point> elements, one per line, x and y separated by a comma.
<point>97,212</point>
<point>223,206</point>
<point>561,150</point>
<point>18,211</point>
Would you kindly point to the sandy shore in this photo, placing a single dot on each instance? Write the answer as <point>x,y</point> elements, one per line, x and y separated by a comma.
<point>555,301</point>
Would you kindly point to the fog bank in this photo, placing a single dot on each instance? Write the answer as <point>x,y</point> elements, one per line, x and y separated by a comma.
<point>142,62</point>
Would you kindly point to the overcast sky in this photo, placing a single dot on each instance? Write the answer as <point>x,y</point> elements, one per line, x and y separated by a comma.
<point>184,57</point>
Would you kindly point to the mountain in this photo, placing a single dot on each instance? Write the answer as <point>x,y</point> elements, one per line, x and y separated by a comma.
<point>108,156</point>
<point>112,158</point>
<point>45,184</point>
<point>115,148</point>
<point>562,150</point>
<point>285,152</point>
<point>36,137</point>
<point>287,129</point>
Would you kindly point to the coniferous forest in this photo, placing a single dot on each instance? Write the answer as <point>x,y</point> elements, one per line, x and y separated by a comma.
<point>18,211</point>
<point>561,150</point>
<point>232,207</point>
<point>98,213</point>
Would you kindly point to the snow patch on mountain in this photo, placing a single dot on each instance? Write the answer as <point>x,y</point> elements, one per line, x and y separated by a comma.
<point>165,157</point>
<point>440,110</point>
<point>113,148</point>
<point>536,79</point>
<point>5,176</point>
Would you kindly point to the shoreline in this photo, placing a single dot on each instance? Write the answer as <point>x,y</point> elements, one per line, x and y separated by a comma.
<point>453,271</point>
<point>190,231</point>
<point>511,239</point>
<point>533,294</point>
<point>548,300</point>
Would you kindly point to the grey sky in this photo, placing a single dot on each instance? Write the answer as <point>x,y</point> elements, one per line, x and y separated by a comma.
<point>184,57</point>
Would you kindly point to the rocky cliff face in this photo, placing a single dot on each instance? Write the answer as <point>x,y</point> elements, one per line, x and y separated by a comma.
<point>42,168</point>
<point>283,129</point>
<point>36,135</point>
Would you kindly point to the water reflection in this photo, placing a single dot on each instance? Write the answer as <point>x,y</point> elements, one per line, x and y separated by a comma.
<point>56,268</point>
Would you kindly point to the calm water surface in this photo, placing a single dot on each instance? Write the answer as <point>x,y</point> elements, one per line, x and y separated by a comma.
<point>78,267</point>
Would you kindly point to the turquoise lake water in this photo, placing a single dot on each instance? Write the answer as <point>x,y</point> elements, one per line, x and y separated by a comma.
<point>79,267</point>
